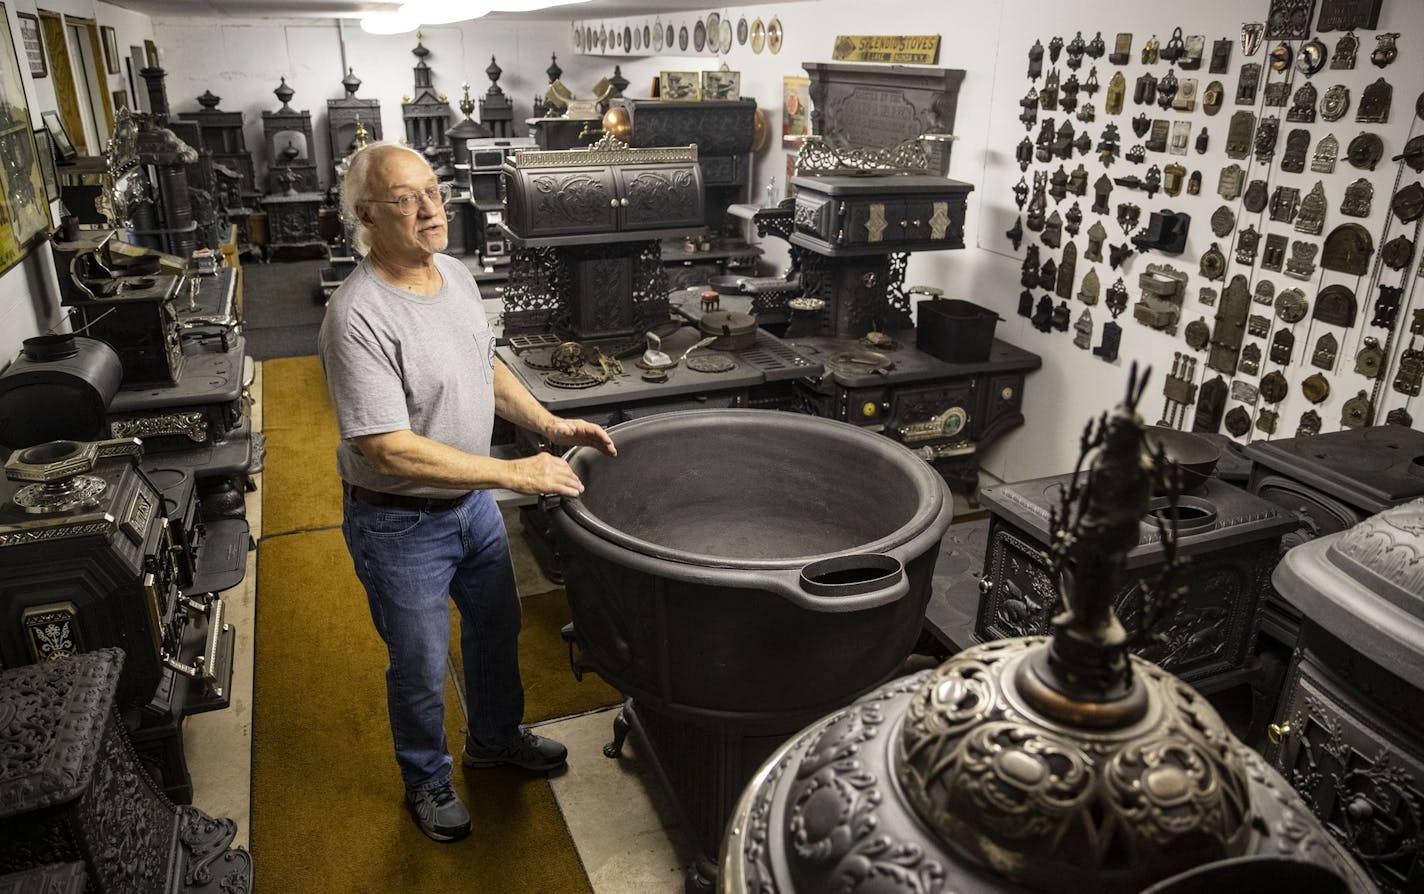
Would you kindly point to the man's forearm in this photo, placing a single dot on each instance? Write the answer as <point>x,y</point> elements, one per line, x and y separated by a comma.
<point>513,401</point>
<point>431,463</point>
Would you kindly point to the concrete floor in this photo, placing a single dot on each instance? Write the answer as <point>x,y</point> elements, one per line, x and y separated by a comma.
<point>638,853</point>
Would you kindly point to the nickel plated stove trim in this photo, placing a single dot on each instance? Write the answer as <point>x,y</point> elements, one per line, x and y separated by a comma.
<point>192,424</point>
<point>607,151</point>
<point>818,158</point>
<point>57,529</point>
<point>50,631</point>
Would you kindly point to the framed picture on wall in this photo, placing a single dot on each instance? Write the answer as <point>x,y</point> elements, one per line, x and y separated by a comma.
<point>721,85</point>
<point>34,44</point>
<point>24,211</point>
<point>121,100</point>
<point>680,86</point>
<point>795,109</point>
<point>44,147</point>
<point>150,54</point>
<point>111,49</point>
<point>63,147</point>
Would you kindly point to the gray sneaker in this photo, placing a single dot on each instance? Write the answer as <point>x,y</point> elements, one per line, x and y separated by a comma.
<point>439,812</point>
<point>528,751</point>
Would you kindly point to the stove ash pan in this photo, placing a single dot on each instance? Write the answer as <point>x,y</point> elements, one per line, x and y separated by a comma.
<point>726,549</point>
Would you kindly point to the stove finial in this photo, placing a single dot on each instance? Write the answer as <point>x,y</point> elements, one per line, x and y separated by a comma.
<point>1095,525</point>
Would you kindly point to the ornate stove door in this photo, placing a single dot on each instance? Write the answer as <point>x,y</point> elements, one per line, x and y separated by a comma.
<point>567,201</point>
<point>1355,762</point>
<point>659,197</point>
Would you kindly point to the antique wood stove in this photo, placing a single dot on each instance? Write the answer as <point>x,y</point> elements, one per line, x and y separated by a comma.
<point>1229,541</point>
<point>345,115</point>
<point>1349,733</point>
<point>945,412</point>
<point>690,593</point>
<point>124,296</point>
<point>722,131</point>
<point>90,557</point>
<point>287,135</point>
<point>197,418</point>
<point>1329,483</point>
<point>221,133</point>
<point>71,791</point>
<point>1059,764</point>
<point>585,224</point>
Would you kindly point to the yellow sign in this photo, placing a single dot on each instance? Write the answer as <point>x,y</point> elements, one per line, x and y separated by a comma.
<point>914,49</point>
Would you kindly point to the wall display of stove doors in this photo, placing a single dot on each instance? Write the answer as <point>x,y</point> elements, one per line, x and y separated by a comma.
<point>1304,262</point>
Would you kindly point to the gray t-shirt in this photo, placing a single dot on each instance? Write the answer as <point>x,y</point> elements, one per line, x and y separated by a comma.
<point>395,361</point>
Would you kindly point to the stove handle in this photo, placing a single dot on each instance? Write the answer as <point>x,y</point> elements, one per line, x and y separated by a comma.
<point>852,582</point>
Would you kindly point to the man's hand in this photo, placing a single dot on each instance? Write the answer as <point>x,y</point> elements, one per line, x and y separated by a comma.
<point>543,473</point>
<point>579,433</point>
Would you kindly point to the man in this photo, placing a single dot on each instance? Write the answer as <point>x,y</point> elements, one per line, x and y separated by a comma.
<point>409,360</point>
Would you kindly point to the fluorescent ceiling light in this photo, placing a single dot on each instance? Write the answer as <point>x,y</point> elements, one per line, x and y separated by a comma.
<point>388,23</point>
<point>529,5</point>
<point>443,12</point>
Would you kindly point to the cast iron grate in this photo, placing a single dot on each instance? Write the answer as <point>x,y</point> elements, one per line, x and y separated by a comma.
<point>777,361</point>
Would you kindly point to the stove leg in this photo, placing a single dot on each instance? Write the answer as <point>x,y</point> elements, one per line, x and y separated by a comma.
<point>614,749</point>
<point>700,877</point>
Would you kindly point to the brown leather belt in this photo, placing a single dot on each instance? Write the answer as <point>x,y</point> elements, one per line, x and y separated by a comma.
<point>401,501</point>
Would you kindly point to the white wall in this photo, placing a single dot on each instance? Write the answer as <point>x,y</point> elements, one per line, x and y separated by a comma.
<point>243,61</point>
<point>990,41</point>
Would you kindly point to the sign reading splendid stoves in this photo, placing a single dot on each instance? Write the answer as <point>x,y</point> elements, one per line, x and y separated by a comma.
<point>913,49</point>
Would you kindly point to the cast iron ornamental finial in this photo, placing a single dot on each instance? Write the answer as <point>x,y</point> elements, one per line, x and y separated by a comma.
<point>1084,676</point>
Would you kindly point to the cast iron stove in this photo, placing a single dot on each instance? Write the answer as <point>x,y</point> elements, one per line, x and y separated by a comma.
<point>91,555</point>
<point>946,412</point>
<point>1330,482</point>
<point>1229,538</point>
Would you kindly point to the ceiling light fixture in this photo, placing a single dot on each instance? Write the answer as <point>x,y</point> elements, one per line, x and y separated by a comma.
<point>529,5</point>
<point>388,23</point>
<point>443,12</point>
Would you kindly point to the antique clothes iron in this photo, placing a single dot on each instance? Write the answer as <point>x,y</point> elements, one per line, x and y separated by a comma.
<point>1034,764</point>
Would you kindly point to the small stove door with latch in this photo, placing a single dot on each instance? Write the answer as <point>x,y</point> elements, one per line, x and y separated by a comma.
<point>864,406</point>
<point>935,416</point>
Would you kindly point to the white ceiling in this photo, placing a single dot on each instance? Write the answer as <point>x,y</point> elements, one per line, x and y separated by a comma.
<point>287,9</point>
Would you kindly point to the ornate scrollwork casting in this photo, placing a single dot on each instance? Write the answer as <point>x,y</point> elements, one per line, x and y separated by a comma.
<point>816,157</point>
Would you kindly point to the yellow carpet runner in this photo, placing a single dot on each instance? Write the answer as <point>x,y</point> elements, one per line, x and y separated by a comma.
<point>327,809</point>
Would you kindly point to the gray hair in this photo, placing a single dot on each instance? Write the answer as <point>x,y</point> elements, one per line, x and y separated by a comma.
<point>356,188</point>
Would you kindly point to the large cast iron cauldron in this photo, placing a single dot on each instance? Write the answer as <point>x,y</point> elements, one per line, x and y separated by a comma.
<point>748,562</point>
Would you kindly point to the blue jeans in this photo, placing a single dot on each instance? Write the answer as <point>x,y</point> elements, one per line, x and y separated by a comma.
<point>410,562</point>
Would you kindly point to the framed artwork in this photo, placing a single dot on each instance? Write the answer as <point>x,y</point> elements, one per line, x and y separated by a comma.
<point>150,54</point>
<point>121,100</point>
<point>63,148</point>
<point>34,45</point>
<point>24,210</point>
<point>721,85</point>
<point>44,146</point>
<point>795,109</point>
<point>679,86</point>
<point>111,49</point>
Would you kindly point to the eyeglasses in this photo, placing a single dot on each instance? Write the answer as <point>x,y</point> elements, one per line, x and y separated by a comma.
<point>408,203</point>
